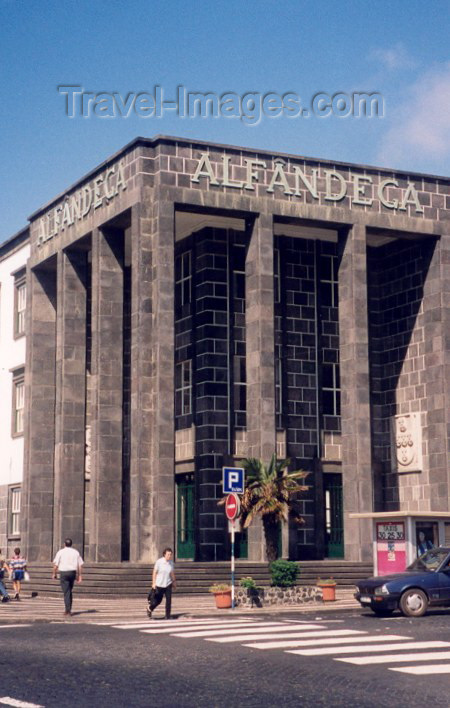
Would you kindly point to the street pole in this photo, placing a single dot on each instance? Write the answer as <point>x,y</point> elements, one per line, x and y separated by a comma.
<point>232,563</point>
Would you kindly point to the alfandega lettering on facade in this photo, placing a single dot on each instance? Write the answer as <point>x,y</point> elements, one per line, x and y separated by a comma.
<point>77,206</point>
<point>336,187</point>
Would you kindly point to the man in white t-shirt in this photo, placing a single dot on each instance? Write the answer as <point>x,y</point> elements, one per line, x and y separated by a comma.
<point>68,562</point>
<point>163,582</point>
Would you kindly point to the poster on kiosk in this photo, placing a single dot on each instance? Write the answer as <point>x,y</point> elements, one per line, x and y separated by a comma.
<point>391,547</point>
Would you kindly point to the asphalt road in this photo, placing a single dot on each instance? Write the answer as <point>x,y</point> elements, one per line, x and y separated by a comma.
<point>69,664</point>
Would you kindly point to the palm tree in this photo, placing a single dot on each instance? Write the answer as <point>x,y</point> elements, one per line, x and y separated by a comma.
<point>271,493</point>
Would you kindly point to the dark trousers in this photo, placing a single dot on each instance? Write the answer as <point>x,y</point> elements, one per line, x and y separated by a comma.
<point>67,580</point>
<point>3,590</point>
<point>157,597</point>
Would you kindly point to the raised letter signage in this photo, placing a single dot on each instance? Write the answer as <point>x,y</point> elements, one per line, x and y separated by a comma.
<point>75,207</point>
<point>288,178</point>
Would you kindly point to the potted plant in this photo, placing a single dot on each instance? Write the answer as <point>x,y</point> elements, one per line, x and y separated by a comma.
<point>247,583</point>
<point>253,591</point>
<point>222,595</point>
<point>328,586</point>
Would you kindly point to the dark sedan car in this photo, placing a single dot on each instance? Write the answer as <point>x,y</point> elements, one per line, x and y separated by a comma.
<point>425,582</point>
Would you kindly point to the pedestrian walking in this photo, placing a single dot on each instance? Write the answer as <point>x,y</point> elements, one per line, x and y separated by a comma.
<point>68,563</point>
<point>3,569</point>
<point>163,582</point>
<point>17,567</point>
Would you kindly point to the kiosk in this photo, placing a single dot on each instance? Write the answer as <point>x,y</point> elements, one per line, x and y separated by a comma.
<point>400,536</point>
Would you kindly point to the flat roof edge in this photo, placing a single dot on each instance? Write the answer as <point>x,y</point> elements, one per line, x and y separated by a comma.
<point>15,240</point>
<point>172,139</point>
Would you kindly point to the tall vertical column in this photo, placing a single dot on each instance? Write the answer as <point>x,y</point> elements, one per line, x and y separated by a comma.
<point>40,401</point>
<point>436,377</point>
<point>152,388</point>
<point>355,397</point>
<point>260,348</point>
<point>105,538</point>
<point>141,381</point>
<point>70,398</point>
<point>445,282</point>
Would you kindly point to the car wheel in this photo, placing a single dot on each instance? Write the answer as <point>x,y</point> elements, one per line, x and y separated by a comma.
<point>382,611</point>
<point>414,603</point>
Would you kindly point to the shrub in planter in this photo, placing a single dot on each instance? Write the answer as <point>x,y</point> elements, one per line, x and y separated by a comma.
<point>247,583</point>
<point>284,573</point>
<point>253,591</point>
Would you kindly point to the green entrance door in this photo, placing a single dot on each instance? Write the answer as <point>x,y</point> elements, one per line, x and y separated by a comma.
<point>334,518</point>
<point>241,544</point>
<point>186,517</point>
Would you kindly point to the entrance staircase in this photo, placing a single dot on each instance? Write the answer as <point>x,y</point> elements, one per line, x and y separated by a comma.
<point>133,579</point>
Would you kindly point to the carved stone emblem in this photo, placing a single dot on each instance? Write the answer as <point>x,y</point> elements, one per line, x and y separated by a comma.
<point>407,443</point>
<point>87,452</point>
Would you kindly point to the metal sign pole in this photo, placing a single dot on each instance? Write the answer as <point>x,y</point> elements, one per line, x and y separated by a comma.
<point>232,509</point>
<point>232,563</point>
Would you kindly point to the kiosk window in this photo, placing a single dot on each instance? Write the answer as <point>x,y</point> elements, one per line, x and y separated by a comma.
<point>447,534</point>
<point>426,536</point>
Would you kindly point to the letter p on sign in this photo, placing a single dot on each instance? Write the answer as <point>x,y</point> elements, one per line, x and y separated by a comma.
<point>233,480</point>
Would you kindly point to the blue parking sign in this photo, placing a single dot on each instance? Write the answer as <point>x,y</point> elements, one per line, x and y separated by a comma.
<point>233,480</point>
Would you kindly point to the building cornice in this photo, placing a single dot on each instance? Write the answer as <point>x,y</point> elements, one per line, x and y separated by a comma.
<point>205,145</point>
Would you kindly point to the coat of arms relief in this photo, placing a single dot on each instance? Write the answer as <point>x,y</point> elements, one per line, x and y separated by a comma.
<point>407,443</point>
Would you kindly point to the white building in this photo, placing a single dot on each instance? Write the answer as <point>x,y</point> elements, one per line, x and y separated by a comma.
<point>13,257</point>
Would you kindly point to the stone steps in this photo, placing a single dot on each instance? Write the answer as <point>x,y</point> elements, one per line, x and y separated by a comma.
<point>133,579</point>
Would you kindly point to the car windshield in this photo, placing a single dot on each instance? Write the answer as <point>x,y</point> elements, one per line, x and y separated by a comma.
<point>431,560</point>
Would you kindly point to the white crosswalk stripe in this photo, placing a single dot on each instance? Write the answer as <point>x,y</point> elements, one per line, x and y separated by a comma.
<point>423,670</point>
<point>296,634</point>
<point>331,639</point>
<point>172,624</point>
<point>195,631</point>
<point>13,626</point>
<point>397,658</point>
<point>357,648</point>
<point>255,628</point>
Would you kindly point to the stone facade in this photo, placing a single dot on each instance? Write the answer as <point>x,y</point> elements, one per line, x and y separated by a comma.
<point>188,301</point>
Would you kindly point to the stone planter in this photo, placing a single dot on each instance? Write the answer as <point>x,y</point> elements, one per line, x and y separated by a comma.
<point>255,596</point>
<point>296,595</point>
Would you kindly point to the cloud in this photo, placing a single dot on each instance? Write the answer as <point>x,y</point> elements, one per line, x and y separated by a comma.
<point>420,124</point>
<point>393,58</point>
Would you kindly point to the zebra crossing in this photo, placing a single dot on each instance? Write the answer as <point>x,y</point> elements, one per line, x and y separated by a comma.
<point>310,639</point>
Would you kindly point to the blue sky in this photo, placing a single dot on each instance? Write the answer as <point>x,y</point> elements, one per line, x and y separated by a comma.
<point>400,50</point>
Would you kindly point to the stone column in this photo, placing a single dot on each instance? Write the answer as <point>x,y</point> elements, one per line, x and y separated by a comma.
<point>355,396</point>
<point>152,386</point>
<point>70,398</point>
<point>40,401</point>
<point>105,537</point>
<point>436,378</point>
<point>260,348</point>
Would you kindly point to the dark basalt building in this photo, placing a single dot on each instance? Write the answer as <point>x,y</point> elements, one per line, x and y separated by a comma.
<point>191,304</point>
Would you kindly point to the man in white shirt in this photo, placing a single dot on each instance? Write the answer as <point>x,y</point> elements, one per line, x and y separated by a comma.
<point>68,562</point>
<point>163,582</point>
